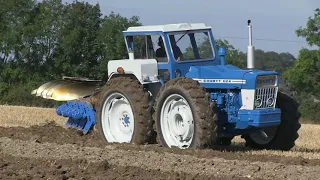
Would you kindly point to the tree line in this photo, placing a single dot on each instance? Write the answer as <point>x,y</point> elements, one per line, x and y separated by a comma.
<point>304,75</point>
<point>43,41</point>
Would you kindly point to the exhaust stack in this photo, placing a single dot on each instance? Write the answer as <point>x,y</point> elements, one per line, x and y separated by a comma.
<point>250,53</point>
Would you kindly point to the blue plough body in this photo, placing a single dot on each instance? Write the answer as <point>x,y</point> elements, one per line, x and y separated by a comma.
<point>81,115</point>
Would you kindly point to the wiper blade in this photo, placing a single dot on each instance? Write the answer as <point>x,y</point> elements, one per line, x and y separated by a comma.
<point>182,36</point>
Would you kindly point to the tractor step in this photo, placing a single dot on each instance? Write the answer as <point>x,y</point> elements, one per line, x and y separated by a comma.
<point>81,115</point>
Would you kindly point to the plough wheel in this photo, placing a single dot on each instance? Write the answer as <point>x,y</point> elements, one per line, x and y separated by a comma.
<point>184,115</point>
<point>122,112</point>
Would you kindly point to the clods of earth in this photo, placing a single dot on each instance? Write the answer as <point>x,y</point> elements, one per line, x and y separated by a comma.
<point>53,152</point>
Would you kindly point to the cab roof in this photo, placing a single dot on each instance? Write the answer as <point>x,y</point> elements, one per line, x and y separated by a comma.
<point>169,27</point>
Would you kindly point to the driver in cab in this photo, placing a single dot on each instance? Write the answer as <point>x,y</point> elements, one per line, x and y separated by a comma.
<point>161,51</point>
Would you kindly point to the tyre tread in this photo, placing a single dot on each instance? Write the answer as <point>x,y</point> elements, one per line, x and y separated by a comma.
<point>139,100</point>
<point>204,115</point>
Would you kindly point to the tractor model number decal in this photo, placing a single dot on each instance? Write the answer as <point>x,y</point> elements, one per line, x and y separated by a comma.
<point>228,81</point>
<point>266,80</point>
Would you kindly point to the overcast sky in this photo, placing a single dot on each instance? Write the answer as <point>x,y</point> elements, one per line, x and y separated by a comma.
<point>273,19</point>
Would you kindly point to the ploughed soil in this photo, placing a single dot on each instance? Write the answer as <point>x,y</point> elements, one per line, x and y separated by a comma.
<point>53,152</point>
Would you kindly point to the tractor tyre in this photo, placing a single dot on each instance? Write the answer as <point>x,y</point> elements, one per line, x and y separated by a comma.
<point>286,133</point>
<point>184,116</point>
<point>123,114</point>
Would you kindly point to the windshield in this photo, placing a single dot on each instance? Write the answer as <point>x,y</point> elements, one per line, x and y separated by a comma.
<point>191,45</point>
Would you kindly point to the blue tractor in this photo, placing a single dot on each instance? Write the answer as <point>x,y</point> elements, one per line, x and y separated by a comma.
<point>176,89</point>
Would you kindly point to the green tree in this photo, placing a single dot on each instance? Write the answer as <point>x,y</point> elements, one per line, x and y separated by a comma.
<point>78,41</point>
<point>28,41</point>
<point>305,74</point>
<point>46,26</point>
<point>42,41</point>
<point>14,16</point>
<point>312,30</point>
<point>274,61</point>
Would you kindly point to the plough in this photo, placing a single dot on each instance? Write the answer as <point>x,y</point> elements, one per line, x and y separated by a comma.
<point>81,115</point>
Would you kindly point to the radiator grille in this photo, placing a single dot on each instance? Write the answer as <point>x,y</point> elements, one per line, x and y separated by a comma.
<point>265,97</point>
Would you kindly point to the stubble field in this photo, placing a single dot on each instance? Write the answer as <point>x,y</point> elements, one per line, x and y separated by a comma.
<point>35,145</point>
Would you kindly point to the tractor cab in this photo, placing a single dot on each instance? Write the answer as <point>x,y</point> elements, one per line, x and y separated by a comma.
<point>176,47</point>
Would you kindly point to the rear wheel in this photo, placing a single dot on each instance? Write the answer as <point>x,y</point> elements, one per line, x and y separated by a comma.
<point>122,112</point>
<point>283,136</point>
<point>184,116</point>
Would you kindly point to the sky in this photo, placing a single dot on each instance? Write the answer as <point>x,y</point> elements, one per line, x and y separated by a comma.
<point>273,19</point>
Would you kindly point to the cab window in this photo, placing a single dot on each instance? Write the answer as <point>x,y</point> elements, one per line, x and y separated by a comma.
<point>147,47</point>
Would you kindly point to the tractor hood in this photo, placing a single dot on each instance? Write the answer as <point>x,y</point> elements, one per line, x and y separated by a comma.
<point>229,77</point>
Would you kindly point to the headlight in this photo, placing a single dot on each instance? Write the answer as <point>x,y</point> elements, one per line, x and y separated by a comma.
<point>270,102</point>
<point>258,102</point>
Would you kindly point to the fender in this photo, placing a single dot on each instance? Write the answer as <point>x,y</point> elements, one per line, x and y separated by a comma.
<point>144,70</point>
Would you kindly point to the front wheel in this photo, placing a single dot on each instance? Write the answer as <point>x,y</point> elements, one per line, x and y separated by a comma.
<point>184,116</point>
<point>283,136</point>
